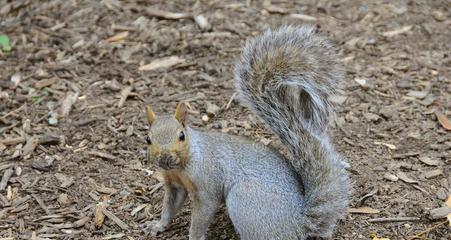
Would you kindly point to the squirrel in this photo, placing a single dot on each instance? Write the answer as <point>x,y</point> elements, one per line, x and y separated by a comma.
<point>285,77</point>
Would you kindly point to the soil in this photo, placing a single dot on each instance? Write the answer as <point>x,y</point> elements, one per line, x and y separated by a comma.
<point>69,144</point>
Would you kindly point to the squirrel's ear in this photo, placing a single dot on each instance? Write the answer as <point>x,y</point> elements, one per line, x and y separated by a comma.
<point>181,113</point>
<point>150,115</point>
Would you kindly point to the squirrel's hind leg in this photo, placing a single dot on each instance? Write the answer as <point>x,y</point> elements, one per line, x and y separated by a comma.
<point>174,197</point>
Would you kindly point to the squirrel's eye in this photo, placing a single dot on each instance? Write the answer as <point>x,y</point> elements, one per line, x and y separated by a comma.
<point>182,136</point>
<point>148,140</point>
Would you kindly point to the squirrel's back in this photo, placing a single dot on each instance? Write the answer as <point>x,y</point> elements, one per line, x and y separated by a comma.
<point>286,76</point>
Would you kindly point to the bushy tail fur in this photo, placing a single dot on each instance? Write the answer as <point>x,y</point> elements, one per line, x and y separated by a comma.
<point>286,77</point>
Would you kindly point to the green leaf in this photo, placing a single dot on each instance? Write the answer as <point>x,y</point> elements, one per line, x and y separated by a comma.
<point>4,42</point>
<point>35,98</point>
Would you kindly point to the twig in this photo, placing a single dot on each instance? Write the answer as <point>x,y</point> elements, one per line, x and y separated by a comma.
<point>393,219</point>
<point>427,230</point>
<point>115,219</point>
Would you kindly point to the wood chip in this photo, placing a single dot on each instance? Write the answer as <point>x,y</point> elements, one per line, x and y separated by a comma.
<point>124,95</point>
<point>64,180</point>
<point>202,22</point>
<point>42,164</point>
<point>99,217</point>
<point>154,12</point>
<point>118,37</point>
<point>390,146</point>
<point>406,155</point>
<point>66,104</point>
<point>45,83</point>
<point>268,6</point>
<point>391,177</point>
<point>443,120</point>
<point>138,209</point>
<point>428,161</point>
<point>433,173</point>
<point>106,190</point>
<point>6,176</point>
<point>440,212</point>
<point>41,203</point>
<point>363,210</point>
<point>115,219</point>
<point>162,63</point>
<point>13,141</point>
<point>303,17</point>
<point>405,178</point>
<point>397,31</point>
<point>30,146</point>
<point>102,155</point>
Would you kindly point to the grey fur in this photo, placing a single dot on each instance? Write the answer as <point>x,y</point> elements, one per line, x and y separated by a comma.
<point>285,77</point>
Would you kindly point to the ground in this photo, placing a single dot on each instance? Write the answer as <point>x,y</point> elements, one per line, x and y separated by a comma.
<point>70,144</point>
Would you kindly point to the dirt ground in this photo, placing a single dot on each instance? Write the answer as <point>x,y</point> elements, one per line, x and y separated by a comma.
<point>73,91</point>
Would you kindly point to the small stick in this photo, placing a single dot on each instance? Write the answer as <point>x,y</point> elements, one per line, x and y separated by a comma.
<point>393,219</point>
<point>230,101</point>
<point>427,230</point>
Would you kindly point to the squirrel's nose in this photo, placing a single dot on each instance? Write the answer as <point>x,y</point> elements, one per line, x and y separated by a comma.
<point>165,161</point>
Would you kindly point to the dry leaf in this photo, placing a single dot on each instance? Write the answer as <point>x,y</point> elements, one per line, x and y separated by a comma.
<point>391,146</point>
<point>364,210</point>
<point>162,63</point>
<point>118,37</point>
<point>397,31</point>
<point>443,120</point>
<point>99,217</point>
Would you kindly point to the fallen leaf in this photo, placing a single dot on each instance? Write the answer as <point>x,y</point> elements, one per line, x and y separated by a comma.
<point>363,210</point>
<point>4,42</point>
<point>391,146</point>
<point>118,37</point>
<point>397,31</point>
<point>162,63</point>
<point>443,120</point>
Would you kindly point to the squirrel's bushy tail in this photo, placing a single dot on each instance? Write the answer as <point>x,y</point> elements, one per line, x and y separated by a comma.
<point>286,77</point>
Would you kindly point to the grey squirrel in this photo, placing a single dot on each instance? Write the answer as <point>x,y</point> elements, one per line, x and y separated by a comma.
<point>285,76</point>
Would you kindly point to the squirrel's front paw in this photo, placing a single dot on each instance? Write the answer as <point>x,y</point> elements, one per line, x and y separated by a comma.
<point>152,227</point>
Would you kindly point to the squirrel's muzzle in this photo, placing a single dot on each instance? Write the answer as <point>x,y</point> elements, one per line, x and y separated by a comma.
<point>168,161</point>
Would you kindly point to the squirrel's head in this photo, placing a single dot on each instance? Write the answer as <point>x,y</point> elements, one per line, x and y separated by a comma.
<point>167,139</point>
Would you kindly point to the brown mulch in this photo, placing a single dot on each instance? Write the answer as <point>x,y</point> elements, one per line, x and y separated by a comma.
<point>74,87</point>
